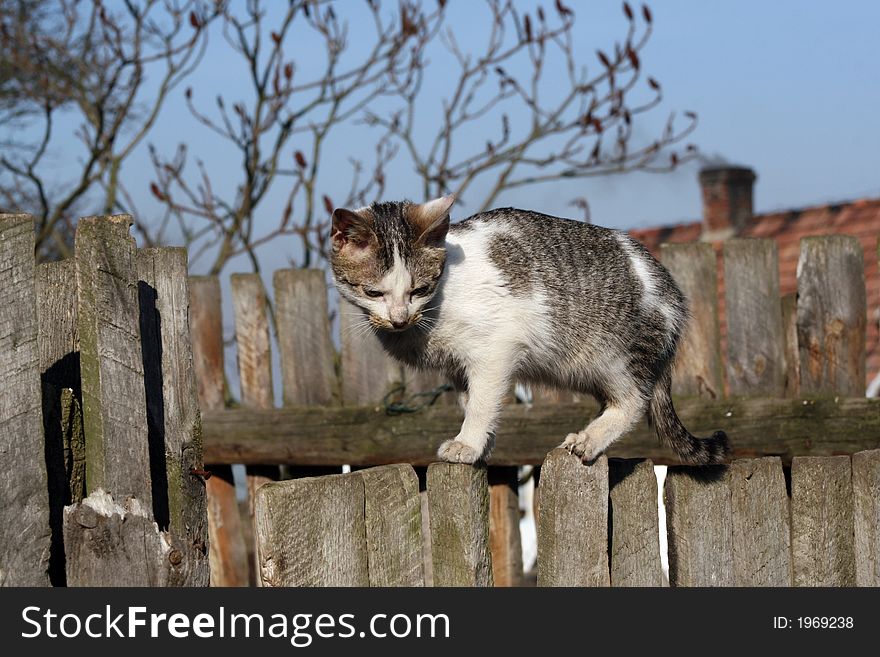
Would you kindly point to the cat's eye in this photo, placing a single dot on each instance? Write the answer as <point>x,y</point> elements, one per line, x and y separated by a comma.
<point>373,293</point>
<point>420,291</point>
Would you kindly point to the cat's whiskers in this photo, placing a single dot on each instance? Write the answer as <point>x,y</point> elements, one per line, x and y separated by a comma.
<point>360,327</point>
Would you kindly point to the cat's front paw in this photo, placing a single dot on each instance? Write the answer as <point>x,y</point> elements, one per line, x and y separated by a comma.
<point>454,451</point>
<point>581,446</point>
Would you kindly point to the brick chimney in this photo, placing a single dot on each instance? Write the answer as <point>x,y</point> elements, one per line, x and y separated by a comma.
<point>727,201</point>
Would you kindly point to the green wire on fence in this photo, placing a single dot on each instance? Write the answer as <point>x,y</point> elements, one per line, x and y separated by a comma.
<point>412,404</point>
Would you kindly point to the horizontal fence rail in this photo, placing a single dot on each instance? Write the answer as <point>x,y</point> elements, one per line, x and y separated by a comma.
<point>369,436</point>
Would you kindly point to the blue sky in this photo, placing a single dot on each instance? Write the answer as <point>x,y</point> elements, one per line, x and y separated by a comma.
<point>790,88</point>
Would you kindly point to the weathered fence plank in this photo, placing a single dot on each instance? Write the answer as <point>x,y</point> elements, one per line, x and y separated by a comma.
<point>832,313</point>
<point>699,526</point>
<point>108,544</point>
<point>366,436</point>
<point>458,497</point>
<point>173,411</point>
<point>792,355</point>
<point>393,524</point>
<point>635,536</point>
<point>573,522</point>
<point>822,521</point>
<point>761,531</point>
<point>866,516</point>
<point>58,345</point>
<point>252,340</point>
<point>24,505</point>
<point>504,538</point>
<point>368,373</point>
<point>206,331</point>
<point>311,532</point>
<point>697,370</point>
<point>755,333</point>
<point>306,349</point>
<point>304,340</point>
<point>111,365</point>
<point>228,554</point>
<point>254,350</point>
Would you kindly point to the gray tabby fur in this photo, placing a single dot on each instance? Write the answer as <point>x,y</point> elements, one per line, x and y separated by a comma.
<point>514,295</point>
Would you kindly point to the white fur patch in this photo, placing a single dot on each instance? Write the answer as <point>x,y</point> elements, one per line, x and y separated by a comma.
<point>397,281</point>
<point>640,268</point>
<point>485,313</point>
<point>396,285</point>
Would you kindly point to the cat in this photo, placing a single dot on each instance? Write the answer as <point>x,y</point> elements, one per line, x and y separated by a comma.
<point>513,295</point>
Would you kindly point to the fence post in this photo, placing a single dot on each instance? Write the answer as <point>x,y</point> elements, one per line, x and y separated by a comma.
<point>697,370</point>
<point>311,532</point>
<point>24,545</point>
<point>111,538</point>
<point>761,534</point>
<point>635,536</point>
<point>822,521</point>
<point>866,508</point>
<point>228,555</point>
<point>458,498</point>
<point>831,316</point>
<point>573,522</point>
<point>393,524</point>
<point>58,344</point>
<point>173,411</point>
<point>755,355</point>
<point>699,526</point>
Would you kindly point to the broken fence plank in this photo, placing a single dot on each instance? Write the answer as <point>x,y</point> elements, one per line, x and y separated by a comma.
<point>112,544</point>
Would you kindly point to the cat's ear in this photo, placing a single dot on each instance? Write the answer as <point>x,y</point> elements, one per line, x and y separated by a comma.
<point>350,229</point>
<point>431,220</point>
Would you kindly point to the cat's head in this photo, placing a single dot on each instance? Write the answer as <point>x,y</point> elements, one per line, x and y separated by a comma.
<point>387,258</point>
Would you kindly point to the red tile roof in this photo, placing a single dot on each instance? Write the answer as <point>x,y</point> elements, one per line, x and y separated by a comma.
<point>859,218</point>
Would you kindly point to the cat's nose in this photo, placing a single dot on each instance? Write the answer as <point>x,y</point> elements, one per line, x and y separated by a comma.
<point>398,324</point>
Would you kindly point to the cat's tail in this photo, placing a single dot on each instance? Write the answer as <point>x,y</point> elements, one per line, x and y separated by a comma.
<point>691,450</point>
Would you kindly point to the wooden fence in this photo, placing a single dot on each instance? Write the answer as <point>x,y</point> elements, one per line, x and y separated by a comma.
<point>102,376</point>
<point>100,434</point>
